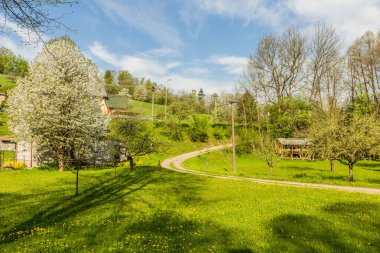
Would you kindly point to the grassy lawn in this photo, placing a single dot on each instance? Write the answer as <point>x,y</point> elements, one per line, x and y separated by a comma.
<point>7,82</point>
<point>145,109</point>
<point>219,162</point>
<point>4,130</point>
<point>151,210</point>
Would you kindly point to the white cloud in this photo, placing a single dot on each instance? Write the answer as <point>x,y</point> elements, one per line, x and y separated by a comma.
<point>196,71</point>
<point>264,12</point>
<point>232,64</point>
<point>350,18</point>
<point>102,53</point>
<point>26,51</point>
<point>138,66</point>
<point>159,71</point>
<point>145,16</point>
<point>172,65</point>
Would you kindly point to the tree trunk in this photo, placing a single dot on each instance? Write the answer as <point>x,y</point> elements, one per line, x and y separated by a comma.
<point>60,164</point>
<point>350,172</point>
<point>131,163</point>
<point>270,170</point>
<point>332,165</point>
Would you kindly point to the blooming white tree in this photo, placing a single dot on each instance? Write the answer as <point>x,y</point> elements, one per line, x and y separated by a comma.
<point>57,105</point>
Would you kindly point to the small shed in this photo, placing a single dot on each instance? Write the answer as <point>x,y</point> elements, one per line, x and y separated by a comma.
<point>292,147</point>
<point>115,104</point>
<point>7,143</point>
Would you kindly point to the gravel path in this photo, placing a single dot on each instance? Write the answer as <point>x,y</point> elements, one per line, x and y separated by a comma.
<point>175,164</point>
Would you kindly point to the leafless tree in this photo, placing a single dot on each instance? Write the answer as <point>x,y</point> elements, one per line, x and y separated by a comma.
<point>32,16</point>
<point>277,68</point>
<point>324,65</point>
<point>363,64</point>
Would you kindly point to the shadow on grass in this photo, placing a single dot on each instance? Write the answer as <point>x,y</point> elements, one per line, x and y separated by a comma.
<point>105,191</point>
<point>306,233</point>
<point>77,224</point>
<point>163,231</point>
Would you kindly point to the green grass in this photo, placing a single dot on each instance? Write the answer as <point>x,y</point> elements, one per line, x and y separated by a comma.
<point>152,210</point>
<point>145,109</point>
<point>7,82</point>
<point>366,173</point>
<point>4,130</point>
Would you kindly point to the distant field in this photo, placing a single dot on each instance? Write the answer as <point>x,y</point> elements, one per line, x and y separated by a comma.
<point>7,82</point>
<point>366,173</point>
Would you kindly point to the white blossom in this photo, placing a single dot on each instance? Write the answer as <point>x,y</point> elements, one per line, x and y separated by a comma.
<point>57,105</point>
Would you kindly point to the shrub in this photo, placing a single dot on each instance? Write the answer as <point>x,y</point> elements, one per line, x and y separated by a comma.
<point>198,129</point>
<point>14,165</point>
<point>219,133</point>
<point>246,142</point>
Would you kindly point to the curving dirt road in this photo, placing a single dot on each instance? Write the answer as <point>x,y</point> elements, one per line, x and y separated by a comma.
<point>175,164</point>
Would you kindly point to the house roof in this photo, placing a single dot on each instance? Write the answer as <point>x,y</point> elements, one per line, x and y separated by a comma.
<point>293,141</point>
<point>117,101</point>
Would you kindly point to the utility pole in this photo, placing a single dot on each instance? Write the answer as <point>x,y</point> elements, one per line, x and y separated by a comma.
<point>166,95</point>
<point>153,89</point>
<point>215,97</point>
<point>233,136</point>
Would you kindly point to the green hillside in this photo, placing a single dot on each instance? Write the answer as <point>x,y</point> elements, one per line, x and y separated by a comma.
<point>7,82</point>
<point>145,108</point>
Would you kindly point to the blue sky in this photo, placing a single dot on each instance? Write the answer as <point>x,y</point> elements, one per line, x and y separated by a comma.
<point>195,43</point>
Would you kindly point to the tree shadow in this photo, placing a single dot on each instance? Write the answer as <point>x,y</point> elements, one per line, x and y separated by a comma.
<point>306,233</point>
<point>105,191</point>
<point>160,231</point>
<point>126,228</point>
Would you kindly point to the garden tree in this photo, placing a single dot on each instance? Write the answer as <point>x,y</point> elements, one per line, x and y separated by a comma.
<point>264,148</point>
<point>324,64</point>
<point>363,66</point>
<point>134,137</point>
<point>140,93</point>
<point>112,89</point>
<point>247,109</point>
<point>12,65</point>
<point>198,131</point>
<point>109,77</point>
<point>276,70</point>
<point>32,16</point>
<point>56,107</point>
<point>324,133</point>
<point>183,109</point>
<point>357,138</point>
<point>123,77</point>
<point>201,103</point>
<point>288,117</point>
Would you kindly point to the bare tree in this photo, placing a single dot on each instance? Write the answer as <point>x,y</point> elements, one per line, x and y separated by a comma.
<point>277,69</point>
<point>324,67</point>
<point>32,15</point>
<point>363,63</point>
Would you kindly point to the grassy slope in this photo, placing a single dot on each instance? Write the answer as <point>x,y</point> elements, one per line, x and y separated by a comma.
<point>6,82</point>
<point>145,109</point>
<point>159,211</point>
<point>219,162</point>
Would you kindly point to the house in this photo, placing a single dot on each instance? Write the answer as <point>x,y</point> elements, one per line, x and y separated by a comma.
<point>115,104</point>
<point>292,147</point>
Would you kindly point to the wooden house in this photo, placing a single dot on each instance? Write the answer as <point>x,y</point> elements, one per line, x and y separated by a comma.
<point>115,104</point>
<point>292,147</point>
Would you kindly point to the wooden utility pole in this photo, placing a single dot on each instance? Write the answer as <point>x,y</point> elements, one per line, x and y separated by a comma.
<point>233,136</point>
<point>166,95</point>
<point>153,89</point>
